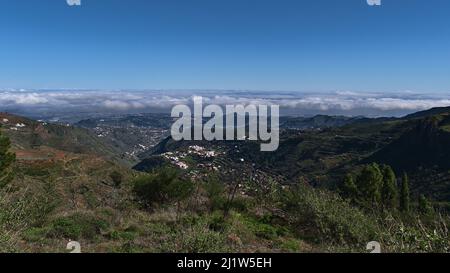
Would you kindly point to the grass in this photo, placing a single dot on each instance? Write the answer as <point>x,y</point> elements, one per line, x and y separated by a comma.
<point>41,213</point>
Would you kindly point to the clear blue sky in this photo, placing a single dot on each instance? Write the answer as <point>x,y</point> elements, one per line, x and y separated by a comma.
<point>303,45</point>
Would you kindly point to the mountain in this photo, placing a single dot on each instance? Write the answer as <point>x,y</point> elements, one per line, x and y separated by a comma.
<point>74,162</point>
<point>429,112</point>
<point>62,193</point>
<point>323,155</point>
<point>316,122</point>
<point>130,134</point>
<point>423,151</point>
<point>317,155</point>
<point>72,183</point>
<point>425,145</point>
<point>33,139</point>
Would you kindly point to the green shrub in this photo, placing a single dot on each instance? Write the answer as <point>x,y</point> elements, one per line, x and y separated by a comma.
<point>324,215</point>
<point>122,235</point>
<point>35,234</point>
<point>290,245</point>
<point>20,211</point>
<point>77,226</point>
<point>6,161</point>
<point>215,192</point>
<point>262,228</point>
<point>217,221</point>
<point>161,187</point>
<point>117,178</point>
<point>239,204</point>
<point>198,238</point>
<point>414,236</point>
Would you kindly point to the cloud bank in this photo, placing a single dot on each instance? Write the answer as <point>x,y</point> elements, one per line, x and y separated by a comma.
<point>297,103</point>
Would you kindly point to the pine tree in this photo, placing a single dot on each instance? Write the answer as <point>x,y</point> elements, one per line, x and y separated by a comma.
<point>404,194</point>
<point>6,160</point>
<point>369,183</point>
<point>424,205</point>
<point>389,190</point>
<point>349,188</point>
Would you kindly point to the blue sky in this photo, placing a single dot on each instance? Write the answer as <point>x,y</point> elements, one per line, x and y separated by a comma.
<point>297,45</point>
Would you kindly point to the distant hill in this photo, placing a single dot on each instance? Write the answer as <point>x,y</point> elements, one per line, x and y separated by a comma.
<point>131,135</point>
<point>319,121</point>
<point>418,144</point>
<point>29,137</point>
<point>430,112</point>
<point>311,154</point>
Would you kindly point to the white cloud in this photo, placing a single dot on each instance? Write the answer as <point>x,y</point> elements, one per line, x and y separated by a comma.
<point>73,2</point>
<point>22,99</point>
<point>332,102</point>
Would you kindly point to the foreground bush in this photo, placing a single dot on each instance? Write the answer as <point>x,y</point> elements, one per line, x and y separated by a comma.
<point>327,218</point>
<point>77,226</point>
<point>414,236</point>
<point>162,186</point>
<point>18,212</point>
<point>196,237</point>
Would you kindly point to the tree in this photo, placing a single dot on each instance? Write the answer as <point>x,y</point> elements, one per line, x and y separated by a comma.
<point>389,192</point>
<point>162,186</point>
<point>215,191</point>
<point>404,194</point>
<point>117,178</point>
<point>424,205</point>
<point>369,183</point>
<point>349,188</point>
<point>6,160</point>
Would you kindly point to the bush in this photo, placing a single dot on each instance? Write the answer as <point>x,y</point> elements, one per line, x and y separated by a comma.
<point>239,204</point>
<point>415,236</point>
<point>122,235</point>
<point>290,245</point>
<point>197,238</point>
<point>6,161</point>
<point>77,226</point>
<point>215,192</point>
<point>116,178</point>
<point>35,234</point>
<point>328,219</point>
<point>217,221</point>
<point>262,227</point>
<point>161,187</point>
<point>324,215</point>
<point>20,211</point>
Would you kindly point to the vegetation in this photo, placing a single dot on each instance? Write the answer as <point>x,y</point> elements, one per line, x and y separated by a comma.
<point>6,160</point>
<point>117,178</point>
<point>389,191</point>
<point>395,224</point>
<point>109,208</point>
<point>162,187</point>
<point>404,195</point>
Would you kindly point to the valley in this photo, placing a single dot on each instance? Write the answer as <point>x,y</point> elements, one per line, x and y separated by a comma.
<point>80,181</point>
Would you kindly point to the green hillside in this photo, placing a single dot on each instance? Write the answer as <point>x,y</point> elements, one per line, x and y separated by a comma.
<point>29,137</point>
<point>318,192</point>
<point>322,157</point>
